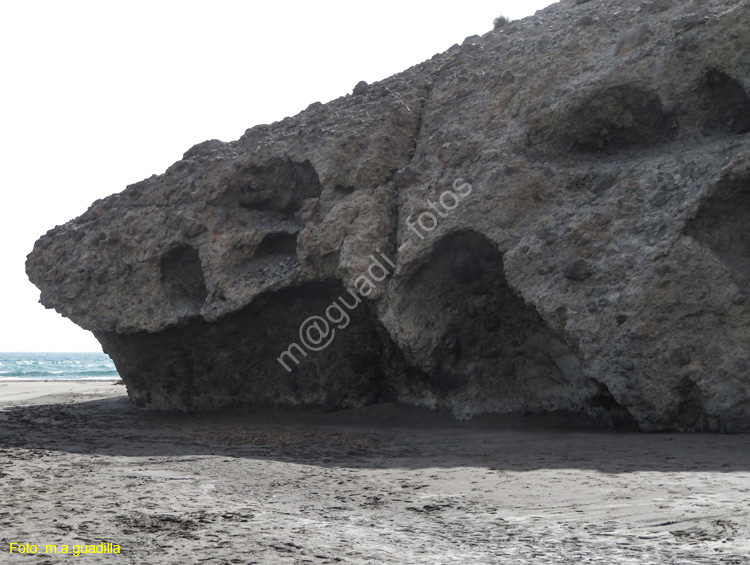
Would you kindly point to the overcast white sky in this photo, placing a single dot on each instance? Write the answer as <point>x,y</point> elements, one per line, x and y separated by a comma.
<point>97,95</point>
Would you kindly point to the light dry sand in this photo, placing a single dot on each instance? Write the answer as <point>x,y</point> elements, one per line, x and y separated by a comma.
<point>379,485</point>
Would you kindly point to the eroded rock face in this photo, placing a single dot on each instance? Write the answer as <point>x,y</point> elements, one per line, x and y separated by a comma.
<point>553,216</point>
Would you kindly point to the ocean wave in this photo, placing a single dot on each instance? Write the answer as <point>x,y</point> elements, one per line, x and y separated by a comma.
<point>58,374</point>
<point>114,377</point>
<point>57,366</point>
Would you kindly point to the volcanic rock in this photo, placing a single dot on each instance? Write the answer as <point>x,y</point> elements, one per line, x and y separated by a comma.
<point>552,216</point>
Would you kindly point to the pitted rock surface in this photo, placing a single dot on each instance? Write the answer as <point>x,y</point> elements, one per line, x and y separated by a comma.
<point>559,211</point>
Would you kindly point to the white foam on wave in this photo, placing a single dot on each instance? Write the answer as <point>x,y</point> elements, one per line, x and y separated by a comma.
<point>54,366</point>
<point>42,379</point>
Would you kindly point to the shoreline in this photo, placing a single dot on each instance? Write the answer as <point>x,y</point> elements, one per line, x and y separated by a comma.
<point>49,390</point>
<point>386,484</point>
<point>86,380</point>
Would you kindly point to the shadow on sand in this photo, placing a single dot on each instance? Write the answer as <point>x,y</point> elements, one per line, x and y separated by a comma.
<point>378,437</point>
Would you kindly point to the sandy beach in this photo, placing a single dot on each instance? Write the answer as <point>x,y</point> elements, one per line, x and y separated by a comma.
<point>385,484</point>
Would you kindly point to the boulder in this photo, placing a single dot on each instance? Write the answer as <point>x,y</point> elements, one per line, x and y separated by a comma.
<point>553,216</point>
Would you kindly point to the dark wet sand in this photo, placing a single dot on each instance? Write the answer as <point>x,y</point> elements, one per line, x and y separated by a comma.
<point>384,484</point>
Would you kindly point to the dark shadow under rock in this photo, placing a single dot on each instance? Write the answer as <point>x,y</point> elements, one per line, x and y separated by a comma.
<point>725,103</point>
<point>237,360</point>
<point>618,118</point>
<point>483,348</point>
<point>723,224</point>
<point>182,279</point>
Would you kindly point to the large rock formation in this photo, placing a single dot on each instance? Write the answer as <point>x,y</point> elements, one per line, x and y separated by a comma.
<point>553,216</point>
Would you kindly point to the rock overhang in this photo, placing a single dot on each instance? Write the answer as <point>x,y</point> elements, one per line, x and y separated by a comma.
<point>609,170</point>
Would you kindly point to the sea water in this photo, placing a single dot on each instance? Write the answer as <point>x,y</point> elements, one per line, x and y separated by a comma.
<point>57,366</point>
